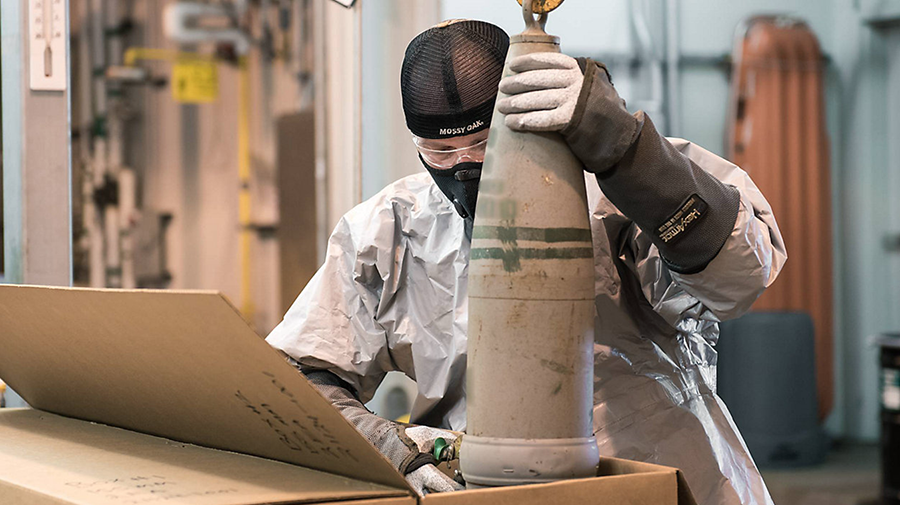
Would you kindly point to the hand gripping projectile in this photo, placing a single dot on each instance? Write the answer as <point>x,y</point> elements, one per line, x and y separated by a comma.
<point>531,304</point>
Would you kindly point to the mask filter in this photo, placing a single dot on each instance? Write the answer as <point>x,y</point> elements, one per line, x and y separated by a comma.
<point>459,184</point>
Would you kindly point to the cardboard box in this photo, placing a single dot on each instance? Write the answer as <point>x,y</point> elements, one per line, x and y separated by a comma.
<point>186,367</point>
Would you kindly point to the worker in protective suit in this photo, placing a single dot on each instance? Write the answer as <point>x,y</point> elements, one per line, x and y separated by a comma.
<point>682,240</point>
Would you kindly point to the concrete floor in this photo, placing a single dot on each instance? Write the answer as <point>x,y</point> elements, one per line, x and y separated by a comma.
<point>850,475</point>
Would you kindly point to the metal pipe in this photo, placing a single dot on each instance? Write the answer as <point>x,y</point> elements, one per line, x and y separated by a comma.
<point>302,55</point>
<point>86,118</point>
<point>98,165</point>
<point>127,209</point>
<point>320,98</point>
<point>647,52</point>
<point>673,72</point>
<point>115,147</point>
<point>245,211</point>
<point>357,162</point>
<point>740,33</point>
<point>179,20</point>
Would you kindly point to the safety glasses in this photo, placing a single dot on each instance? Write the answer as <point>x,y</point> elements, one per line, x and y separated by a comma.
<point>448,158</point>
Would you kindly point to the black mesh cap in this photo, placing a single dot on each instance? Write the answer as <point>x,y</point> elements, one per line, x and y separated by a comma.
<point>450,76</point>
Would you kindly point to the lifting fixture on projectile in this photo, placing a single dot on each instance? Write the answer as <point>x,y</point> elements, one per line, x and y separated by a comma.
<point>531,304</point>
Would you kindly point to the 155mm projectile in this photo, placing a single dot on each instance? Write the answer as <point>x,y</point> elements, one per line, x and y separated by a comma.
<point>531,306</point>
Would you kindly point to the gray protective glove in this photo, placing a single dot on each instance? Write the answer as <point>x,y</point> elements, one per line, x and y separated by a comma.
<point>428,479</point>
<point>410,456</point>
<point>424,436</point>
<point>555,92</point>
<point>387,436</point>
<point>542,93</point>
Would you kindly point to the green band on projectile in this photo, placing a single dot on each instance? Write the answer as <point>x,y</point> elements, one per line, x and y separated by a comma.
<point>512,256</point>
<point>551,253</point>
<point>549,235</point>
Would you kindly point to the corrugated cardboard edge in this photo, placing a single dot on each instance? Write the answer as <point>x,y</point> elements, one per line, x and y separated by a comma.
<point>409,500</point>
<point>685,496</point>
<point>645,488</point>
<point>616,466</point>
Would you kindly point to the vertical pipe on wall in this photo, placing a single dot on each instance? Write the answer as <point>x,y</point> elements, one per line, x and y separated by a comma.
<point>320,95</point>
<point>191,195</point>
<point>127,208</point>
<point>86,121</point>
<point>673,54</point>
<point>94,180</point>
<point>357,42</point>
<point>244,175</point>
<point>655,104</point>
<point>119,214</point>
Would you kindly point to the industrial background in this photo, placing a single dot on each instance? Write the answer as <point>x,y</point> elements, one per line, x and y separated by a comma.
<point>215,145</point>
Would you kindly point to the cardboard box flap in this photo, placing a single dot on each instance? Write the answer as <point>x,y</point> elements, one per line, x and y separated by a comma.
<point>80,462</point>
<point>180,365</point>
<point>619,482</point>
<point>646,488</point>
<point>615,466</point>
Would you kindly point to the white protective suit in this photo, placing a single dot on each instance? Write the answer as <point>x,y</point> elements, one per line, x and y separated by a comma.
<point>392,296</point>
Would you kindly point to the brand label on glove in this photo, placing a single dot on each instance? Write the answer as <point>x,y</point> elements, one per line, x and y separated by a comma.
<point>686,217</point>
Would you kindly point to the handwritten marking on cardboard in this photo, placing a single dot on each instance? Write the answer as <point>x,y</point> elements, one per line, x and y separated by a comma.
<point>139,489</point>
<point>304,433</point>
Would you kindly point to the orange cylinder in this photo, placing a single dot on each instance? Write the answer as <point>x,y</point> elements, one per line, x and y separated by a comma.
<point>778,135</point>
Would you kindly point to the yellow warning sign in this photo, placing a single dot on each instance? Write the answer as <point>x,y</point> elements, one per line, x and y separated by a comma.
<point>195,81</point>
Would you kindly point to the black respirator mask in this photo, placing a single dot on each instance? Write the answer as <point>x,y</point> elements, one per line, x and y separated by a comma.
<point>460,184</point>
